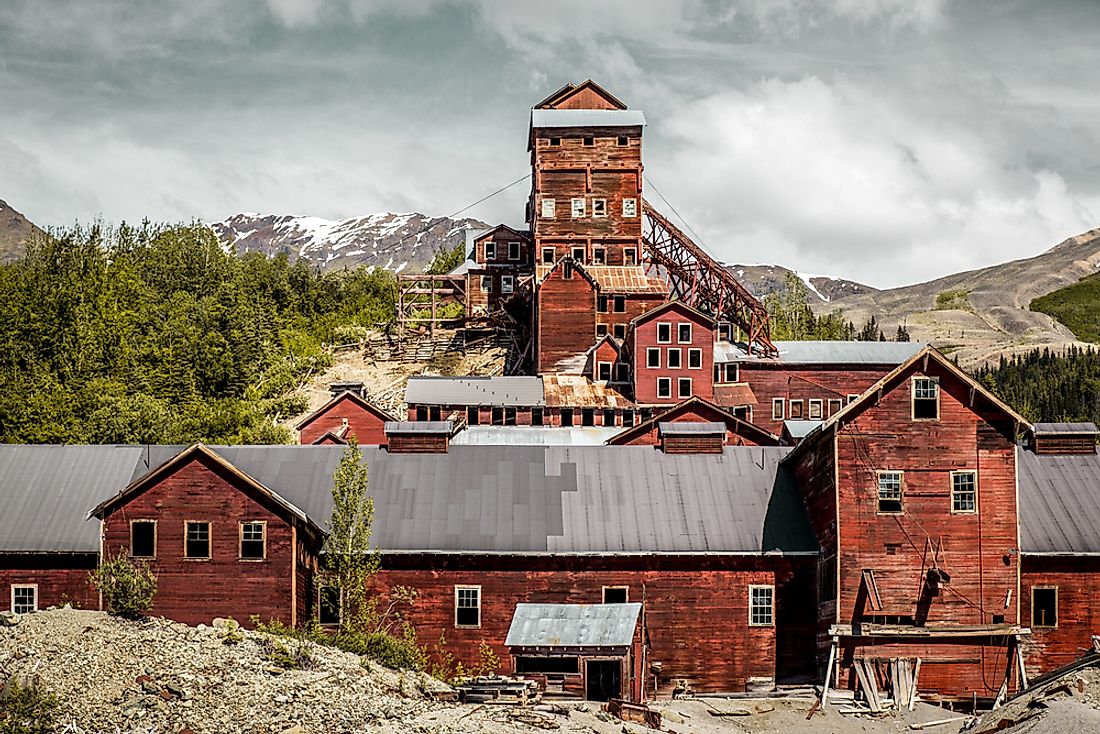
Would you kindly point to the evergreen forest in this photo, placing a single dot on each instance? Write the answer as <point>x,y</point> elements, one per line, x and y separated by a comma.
<point>1048,386</point>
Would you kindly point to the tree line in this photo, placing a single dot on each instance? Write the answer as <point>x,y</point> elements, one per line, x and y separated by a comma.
<point>1048,386</point>
<point>792,319</point>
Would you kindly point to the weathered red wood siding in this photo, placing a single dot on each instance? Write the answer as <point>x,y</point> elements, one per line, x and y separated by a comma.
<point>977,548</point>
<point>1077,580</point>
<point>635,304</point>
<point>565,319</point>
<point>195,591</point>
<point>696,608</point>
<point>62,578</point>
<point>694,413</point>
<point>805,383</point>
<point>419,443</point>
<point>645,336</point>
<point>365,425</point>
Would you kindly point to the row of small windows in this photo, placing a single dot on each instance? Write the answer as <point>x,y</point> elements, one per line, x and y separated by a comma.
<point>589,141</point>
<point>579,208</point>
<point>664,333</point>
<point>608,372</point>
<point>508,416</point>
<point>683,387</point>
<point>251,540</point>
<point>964,492</point>
<point>507,283</point>
<point>673,358</point>
<point>813,409</point>
<point>599,256</point>
<point>515,250</point>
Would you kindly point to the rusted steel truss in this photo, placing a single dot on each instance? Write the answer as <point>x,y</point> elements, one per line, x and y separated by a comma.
<point>695,278</point>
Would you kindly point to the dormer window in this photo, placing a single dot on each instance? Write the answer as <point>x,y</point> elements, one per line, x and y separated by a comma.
<point>490,251</point>
<point>926,398</point>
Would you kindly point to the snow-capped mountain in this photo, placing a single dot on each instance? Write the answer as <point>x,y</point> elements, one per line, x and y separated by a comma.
<point>764,279</point>
<point>397,242</point>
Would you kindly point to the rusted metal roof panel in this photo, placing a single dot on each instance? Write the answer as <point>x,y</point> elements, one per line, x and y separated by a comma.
<point>577,391</point>
<point>734,394</point>
<point>418,427</point>
<point>533,436</point>
<point>691,428</point>
<point>573,625</point>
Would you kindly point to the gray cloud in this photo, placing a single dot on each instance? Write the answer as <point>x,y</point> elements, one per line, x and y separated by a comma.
<point>884,140</point>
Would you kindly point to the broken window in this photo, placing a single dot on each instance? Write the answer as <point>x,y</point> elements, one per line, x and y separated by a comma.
<point>487,283</point>
<point>674,358</point>
<point>490,251</point>
<point>601,304</point>
<point>578,254</point>
<point>555,142</point>
<point>777,409</point>
<point>664,387</point>
<point>599,255</point>
<point>24,598</point>
<point>507,283</point>
<point>683,387</point>
<point>578,208</point>
<point>889,491</point>
<point>616,594</point>
<point>548,207</point>
<point>497,416</point>
<point>620,331</point>
<point>964,491</point>
<point>197,544</point>
<point>630,207</point>
<point>599,207</point>
<point>761,605</point>
<point>328,605</point>
<point>589,141</point>
<point>601,331</point>
<point>622,141</point>
<point>1044,606</point>
<point>253,534</point>
<point>628,418</point>
<point>664,333</point>
<point>509,416</point>
<point>815,410</point>
<point>926,398</point>
<point>683,333</point>
<point>467,606</point>
<point>630,256</point>
<point>695,359</point>
<point>143,538</point>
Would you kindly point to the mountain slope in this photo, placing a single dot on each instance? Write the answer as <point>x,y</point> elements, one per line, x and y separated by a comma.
<point>14,230</point>
<point>981,314</point>
<point>396,242</point>
<point>764,279</point>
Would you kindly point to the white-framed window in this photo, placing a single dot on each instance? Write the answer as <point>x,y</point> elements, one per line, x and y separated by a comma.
<point>513,250</point>
<point>253,540</point>
<point>507,283</point>
<point>548,256</point>
<point>196,539</point>
<point>695,359</point>
<point>630,207</point>
<point>653,357</point>
<point>616,594</point>
<point>777,409</point>
<point>674,358</point>
<point>143,538</point>
<point>578,208</point>
<point>664,332</point>
<point>1044,606</point>
<point>24,598</point>
<point>683,387</point>
<point>630,256</point>
<point>601,303</point>
<point>761,605</point>
<point>964,491</point>
<point>620,331</point>
<point>329,605</point>
<point>548,206</point>
<point>601,331</point>
<point>490,251</point>
<point>664,387</point>
<point>603,371</point>
<point>683,333</point>
<point>926,398</point>
<point>731,371</point>
<point>889,491</point>
<point>834,405</point>
<point>795,411</point>
<point>467,606</point>
<point>487,283</point>
<point>599,256</point>
<point>815,410</point>
<point>578,254</point>
<point>599,207</point>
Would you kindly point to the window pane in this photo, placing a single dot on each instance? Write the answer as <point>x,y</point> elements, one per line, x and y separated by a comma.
<point>467,607</point>
<point>143,539</point>
<point>964,492</point>
<point>664,333</point>
<point>889,492</point>
<point>684,333</point>
<point>695,358</point>
<point>252,540</point>
<point>198,540</point>
<point>24,599</point>
<point>653,357</point>
<point>760,609</point>
<point>685,387</point>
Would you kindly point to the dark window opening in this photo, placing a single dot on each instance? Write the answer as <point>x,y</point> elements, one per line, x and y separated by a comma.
<point>620,331</point>
<point>252,541</point>
<point>630,256</point>
<point>683,333</point>
<point>609,416</point>
<point>567,417</point>
<point>664,333</point>
<point>328,606</point>
<point>435,413</point>
<point>674,359</point>
<point>536,416</point>
<point>589,141</point>
<point>620,304</point>
<point>578,254</point>
<point>622,140</point>
<point>422,413</point>
<point>652,357</point>
<point>695,358</point>
<point>599,254</point>
<point>889,491</point>
<point>603,372</point>
<point>615,594</point>
<point>731,372</point>
<point>548,256</point>
<point>473,416</point>
<point>1044,607</point>
<point>646,414</point>
<point>509,416</point>
<point>628,418</point>
<point>143,538</point>
<point>601,331</point>
<point>664,387</point>
<point>717,373</point>
<point>567,271</point>
<point>601,304</point>
<point>683,386</point>
<point>548,666</point>
<point>926,398</point>
<point>622,372</point>
<point>588,416</point>
<point>498,416</point>
<point>198,540</point>
<point>555,141</point>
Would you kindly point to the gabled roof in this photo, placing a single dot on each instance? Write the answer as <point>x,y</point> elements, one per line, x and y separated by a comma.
<point>148,479</point>
<point>493,230</point>
<point>573,625</point>
<point>657,310</point>
<point>928,353</point>
<point>346,395</point>
<point>571,90</point>
<point>606,338</point>
<point>733,423</point>
<point>542,274</point>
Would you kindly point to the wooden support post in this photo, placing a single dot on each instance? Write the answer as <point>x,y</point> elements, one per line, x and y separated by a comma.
<point>1020,667</point>
<point>829,672</point>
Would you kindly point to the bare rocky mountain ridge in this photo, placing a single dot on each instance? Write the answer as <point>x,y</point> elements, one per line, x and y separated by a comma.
<point>823,289</point>
<point>14,230</point>
<point>395,242</point>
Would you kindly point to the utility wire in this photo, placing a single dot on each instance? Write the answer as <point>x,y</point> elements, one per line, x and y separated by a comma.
<point>680,216</point>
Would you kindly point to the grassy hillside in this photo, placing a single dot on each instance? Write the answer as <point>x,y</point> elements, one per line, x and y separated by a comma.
<point>1077,307</point>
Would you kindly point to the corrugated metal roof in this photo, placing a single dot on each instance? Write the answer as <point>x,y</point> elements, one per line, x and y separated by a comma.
<point>47,491</point>
<point>577,391</point>
<point>616,278</point>
<point>418,426</point>
<point>1059,502</point>
<point>800,429</point>
<point>734,395</point>
<point>1056,428</point>
<point>587,118</point>
<point>533,436</point>
<point>573,625</point>
<point>690,428</point>
<point>823,352</point>
<point>503,391</point>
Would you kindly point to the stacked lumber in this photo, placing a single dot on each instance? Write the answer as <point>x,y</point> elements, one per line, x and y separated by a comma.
<point>499,690</point>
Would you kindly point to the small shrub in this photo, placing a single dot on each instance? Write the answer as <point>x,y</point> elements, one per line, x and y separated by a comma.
<point>128,586</point>
<point>292,655</point>
<point>951,300</point>
<point>25,709</point>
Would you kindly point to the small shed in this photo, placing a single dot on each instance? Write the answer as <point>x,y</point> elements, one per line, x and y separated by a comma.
<point>692,437</point>
<point>589,650</point>
<point>1064,438</point>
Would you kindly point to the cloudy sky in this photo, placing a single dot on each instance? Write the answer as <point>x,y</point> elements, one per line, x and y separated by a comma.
<point>887,141</point>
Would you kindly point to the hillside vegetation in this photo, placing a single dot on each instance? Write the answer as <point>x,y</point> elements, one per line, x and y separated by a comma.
<point>1044,385</point>
<point>1077,307</point>
<point>157,334</point>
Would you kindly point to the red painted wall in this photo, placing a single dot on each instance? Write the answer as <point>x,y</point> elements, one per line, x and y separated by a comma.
<point>196,591</point>
<point>1077,580</point>
<point>61,578</point>
<point>365,425</point>
<point>645,336</point>
<point>825,383</point>
<point>565,317</point>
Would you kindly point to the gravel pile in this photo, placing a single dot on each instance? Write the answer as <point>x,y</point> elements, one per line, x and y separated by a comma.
<point>113,675</point>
